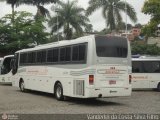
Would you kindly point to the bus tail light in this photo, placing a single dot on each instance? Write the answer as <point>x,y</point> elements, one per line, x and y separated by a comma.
<point>91,79</point>
<point>130,79</point>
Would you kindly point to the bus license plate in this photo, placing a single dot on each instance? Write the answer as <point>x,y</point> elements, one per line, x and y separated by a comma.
<point>111,82</point>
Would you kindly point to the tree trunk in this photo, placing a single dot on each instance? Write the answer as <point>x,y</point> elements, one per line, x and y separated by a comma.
<point>12,13</point>
<point>68,32</point>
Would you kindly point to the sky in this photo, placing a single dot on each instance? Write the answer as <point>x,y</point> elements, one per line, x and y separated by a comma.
<point>96,18</point>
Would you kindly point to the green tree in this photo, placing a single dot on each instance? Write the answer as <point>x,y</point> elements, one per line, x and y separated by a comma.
<point>89,28</point>
<point>111,10</point>
<point>151,7</point>
<point>71,18</point>
<point>24,31</point>
<point>146,49</point>
<point>149,29</point>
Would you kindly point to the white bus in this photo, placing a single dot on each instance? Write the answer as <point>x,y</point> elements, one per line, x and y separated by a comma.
<point>5,69</point>
<point>146,73</point>
<point>87,67</point>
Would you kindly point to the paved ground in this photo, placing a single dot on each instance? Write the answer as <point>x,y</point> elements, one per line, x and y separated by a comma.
<point>13,101</point>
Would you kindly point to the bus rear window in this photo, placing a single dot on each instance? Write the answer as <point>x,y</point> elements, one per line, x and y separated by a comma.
<point>107,46</point>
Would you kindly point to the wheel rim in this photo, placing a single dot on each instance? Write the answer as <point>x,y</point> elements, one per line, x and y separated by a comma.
<point>59,92</point>
<point>22,86</point>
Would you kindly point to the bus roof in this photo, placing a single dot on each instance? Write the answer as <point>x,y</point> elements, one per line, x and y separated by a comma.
<point>59,44</point>
<point>7,56</point>
<point>62,43</point>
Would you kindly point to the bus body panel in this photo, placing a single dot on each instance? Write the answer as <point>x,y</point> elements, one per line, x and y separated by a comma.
<point>6,79</point>
<point>108,92</point>
<point>112,76</point>
<point>145,80</point>
<point>71,81</point>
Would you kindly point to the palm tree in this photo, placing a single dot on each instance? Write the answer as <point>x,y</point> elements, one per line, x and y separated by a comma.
<point>41,10</point>
<point>12,3</point>
<point>111,11</point>
<point>70,18</point>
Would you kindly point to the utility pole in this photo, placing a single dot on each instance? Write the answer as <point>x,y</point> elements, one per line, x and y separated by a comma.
<point>56,10</point>
<point>126,15</point>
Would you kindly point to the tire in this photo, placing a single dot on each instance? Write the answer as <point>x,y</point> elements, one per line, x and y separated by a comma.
<point>59,92</point>
<point>22,86</point>
<point>158,87</point>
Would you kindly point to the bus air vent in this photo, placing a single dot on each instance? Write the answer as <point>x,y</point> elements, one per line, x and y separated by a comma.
<point>78,87</point>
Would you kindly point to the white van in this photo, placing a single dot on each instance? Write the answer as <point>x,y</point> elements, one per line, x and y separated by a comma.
<point>146,72</point>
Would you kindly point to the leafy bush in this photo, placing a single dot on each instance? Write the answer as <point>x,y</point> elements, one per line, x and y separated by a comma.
<point>138,48</point>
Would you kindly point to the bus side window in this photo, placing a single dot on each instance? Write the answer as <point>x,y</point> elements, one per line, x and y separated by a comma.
<point>62,54</point>
<point>136,67</point>
<point>55,54</point>
<point>75,51</point>
<point>156,67</point>
<point>41,56</point>
<point>50,55</point>
<point>82,52</point>
<point>136,70</point>
<point>68,54</point>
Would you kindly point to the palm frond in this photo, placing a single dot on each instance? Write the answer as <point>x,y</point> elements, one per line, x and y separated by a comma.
<point>43,11</point>
<point>94,5</point>
<point>130,10</point>
<point>118,16</point>
<point>37,2</point>
<point>104,11</point>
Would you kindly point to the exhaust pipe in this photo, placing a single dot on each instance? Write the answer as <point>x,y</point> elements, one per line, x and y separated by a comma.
<point>100,96</point>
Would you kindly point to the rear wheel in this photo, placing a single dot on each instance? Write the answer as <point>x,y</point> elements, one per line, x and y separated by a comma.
<point>59,92</point>
<point>158,87</point>
<point>22,86</point>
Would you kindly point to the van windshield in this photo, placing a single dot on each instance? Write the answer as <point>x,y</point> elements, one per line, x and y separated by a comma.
<point>111,46</point>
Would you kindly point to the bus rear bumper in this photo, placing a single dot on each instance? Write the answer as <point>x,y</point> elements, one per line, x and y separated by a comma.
<point>5,83</point>
<point>107,92</point>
